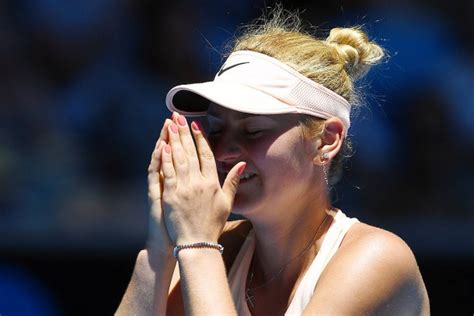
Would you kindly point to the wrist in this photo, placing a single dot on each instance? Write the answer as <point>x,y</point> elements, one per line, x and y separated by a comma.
<point>198,255</point>
<point>195,239</point>
<point>197,246</point>
<point>158,257</point>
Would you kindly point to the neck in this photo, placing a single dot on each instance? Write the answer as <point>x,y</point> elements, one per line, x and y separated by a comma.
<point>295,237</point>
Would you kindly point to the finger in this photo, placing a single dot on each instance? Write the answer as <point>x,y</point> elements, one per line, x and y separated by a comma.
<point>178,154</point>
<point>169,173</point>
<point>232,180</point>
<point>156,153</point>
<point>163,136</point>
<point>188,144</point>
<point>155,162</point>
<point>174,116</point>
<point>164,132</point>
<point>154,176</point>
<point>206,157</point>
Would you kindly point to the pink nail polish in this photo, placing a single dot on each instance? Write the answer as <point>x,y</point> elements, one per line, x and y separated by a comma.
<point>241,169</point>
<point>195,126</point>
<point>167,149</point>
<point>167,122</point>
<point>199,125</point>
<point>174,128</point>
<point>181,120</point>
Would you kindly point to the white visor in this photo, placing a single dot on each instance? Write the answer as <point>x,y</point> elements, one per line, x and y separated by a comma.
<point>255,83</point>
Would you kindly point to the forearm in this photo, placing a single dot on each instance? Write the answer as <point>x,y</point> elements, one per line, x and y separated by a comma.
<point>147,292</point>
<point>204,283</point>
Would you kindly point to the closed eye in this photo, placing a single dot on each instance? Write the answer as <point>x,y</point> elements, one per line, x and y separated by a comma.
<point>253,133</point>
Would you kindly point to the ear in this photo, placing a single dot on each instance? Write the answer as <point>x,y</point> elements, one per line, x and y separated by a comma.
<point>330,142</point>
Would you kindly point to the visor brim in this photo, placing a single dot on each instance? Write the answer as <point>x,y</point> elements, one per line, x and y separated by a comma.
<point>194,99</point>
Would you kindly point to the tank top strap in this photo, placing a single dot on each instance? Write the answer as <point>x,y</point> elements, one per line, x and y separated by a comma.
<point>331,243</point>
<point>237,275</point>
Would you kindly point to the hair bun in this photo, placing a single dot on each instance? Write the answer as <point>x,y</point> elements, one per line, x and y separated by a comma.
<point>358,54</point>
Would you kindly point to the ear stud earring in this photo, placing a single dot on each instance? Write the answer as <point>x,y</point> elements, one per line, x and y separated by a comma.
<point>325,156</point>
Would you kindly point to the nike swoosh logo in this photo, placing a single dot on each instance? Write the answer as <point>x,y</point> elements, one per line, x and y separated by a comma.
<point>230,67</point>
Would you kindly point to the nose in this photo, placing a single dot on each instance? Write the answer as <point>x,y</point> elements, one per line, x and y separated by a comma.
<point>226,149</point>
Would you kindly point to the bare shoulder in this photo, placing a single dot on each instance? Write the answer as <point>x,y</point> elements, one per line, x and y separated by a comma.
<point>373,271</point>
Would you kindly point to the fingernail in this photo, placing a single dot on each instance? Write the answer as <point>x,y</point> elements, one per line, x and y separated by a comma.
<point>174,128</point>
<point>167,122</point>
<point>195,126</point>
<point>199,125</point>
<point>241,169</point>
<point>181,120</point>
<point>167,149</point>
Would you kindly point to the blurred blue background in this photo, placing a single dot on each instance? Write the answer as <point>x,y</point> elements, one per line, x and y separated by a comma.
<point>82,102</point>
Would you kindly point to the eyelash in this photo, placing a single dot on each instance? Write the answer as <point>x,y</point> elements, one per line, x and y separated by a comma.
<point>248,133</point>
<point>253,133</point>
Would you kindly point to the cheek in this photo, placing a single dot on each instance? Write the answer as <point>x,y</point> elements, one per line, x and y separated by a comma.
<point>287,159</point>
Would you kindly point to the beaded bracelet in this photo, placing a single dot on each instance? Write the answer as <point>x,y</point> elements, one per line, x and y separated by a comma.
<point>202,244</point>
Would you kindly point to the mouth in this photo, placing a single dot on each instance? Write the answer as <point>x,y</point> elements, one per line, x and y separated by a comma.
<point>246,176</point>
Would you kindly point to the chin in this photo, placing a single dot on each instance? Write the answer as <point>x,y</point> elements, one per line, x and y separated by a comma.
<point>244,204</point>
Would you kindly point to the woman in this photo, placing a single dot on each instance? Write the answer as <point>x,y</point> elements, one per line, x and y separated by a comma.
<point>278,113</point>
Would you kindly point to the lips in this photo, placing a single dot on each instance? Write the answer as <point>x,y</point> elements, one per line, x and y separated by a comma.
<point>246,176</point>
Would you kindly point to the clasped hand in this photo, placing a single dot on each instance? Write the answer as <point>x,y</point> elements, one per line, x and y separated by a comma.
<point>188,203</point>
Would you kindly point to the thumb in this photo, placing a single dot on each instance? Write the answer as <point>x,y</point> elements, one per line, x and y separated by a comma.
<point>232,180</point>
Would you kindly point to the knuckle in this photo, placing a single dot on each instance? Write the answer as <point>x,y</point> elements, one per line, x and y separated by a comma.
<point>196,187</point>
<point>193,159</point>
<point>207,154</point>
<point>166,199</point>
<point>174,137</point>
<point>180,160</point>
<point>183,196</point>
<point>188,145</point>
<point>184,131</point>
<point>168,176</point>
<point>168,173</point>
<point>180,156</point>
<point>168,193</point>
<point>210,185</point>
<point>199,190</point>
<point>154,194</point>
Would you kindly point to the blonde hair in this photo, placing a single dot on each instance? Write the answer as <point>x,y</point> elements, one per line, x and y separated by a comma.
<point>335,62</point>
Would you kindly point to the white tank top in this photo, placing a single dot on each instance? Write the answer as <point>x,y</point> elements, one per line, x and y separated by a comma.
<point>331,242</point>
